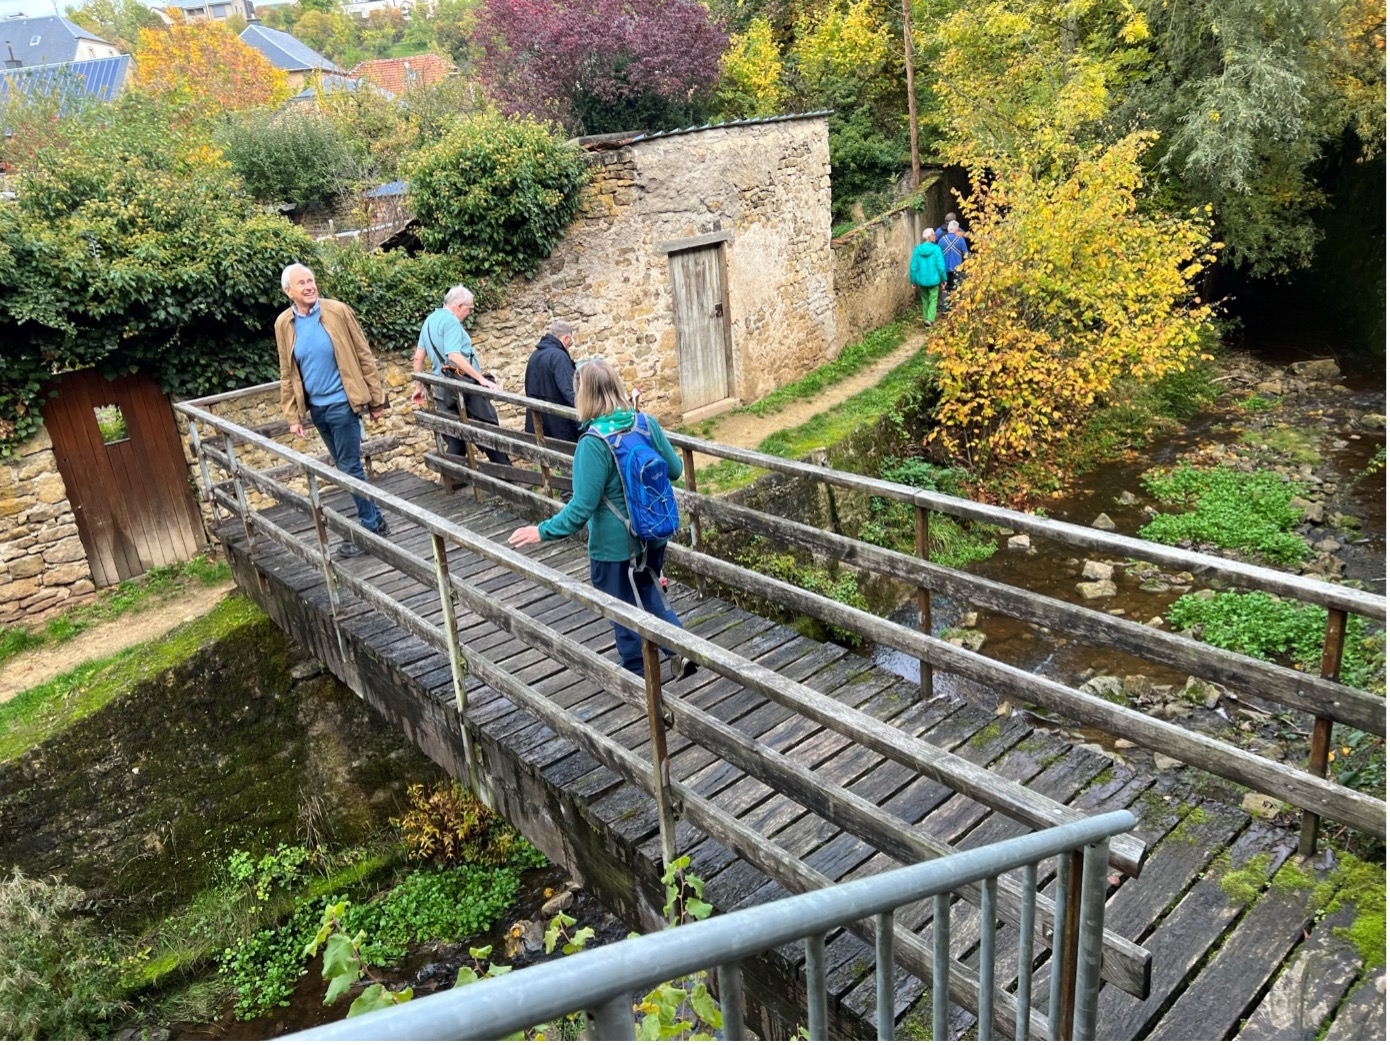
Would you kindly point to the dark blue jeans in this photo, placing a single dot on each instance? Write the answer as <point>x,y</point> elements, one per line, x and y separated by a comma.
<point>612,577</point>
<point>341,430</point>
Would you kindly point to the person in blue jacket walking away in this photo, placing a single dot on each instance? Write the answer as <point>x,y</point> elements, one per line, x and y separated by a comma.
<point>927,272</point>
<point>954,250</point>
<point>598,500</point>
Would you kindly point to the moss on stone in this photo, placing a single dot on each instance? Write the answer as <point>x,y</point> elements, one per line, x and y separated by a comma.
<point>43,711</point>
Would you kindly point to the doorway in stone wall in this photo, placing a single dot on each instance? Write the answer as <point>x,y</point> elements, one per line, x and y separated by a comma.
<point>704,347</point>
<point>120,458</point>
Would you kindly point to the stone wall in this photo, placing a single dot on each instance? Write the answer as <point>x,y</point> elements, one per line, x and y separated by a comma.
<point>766,184</point>
<point>42,562</point>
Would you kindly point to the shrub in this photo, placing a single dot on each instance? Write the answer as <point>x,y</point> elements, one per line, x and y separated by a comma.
<point>57,976</point>
<point>298,158</point>
<point>498,191</point>
<point>440,823</point>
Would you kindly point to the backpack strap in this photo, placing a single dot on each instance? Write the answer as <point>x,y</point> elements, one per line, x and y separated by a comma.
<point>637,549</point>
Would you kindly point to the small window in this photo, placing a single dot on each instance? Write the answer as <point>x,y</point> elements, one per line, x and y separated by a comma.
<point>35,41</point>
<point>111,422</point>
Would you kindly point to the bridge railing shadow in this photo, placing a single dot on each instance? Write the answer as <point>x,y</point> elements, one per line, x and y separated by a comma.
<point>1324,697</point>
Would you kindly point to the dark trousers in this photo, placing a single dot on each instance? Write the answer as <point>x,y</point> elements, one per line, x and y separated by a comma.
<point>341,431</point>
<point>480,411</point>
<point>612,577</point>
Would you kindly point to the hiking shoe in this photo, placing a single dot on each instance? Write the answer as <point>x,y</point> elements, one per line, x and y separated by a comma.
<point>348,550</point>
<point>676,667</point>
<point>383,528</point>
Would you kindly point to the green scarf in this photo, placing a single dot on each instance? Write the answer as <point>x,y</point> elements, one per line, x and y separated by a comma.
<point>617,421</point>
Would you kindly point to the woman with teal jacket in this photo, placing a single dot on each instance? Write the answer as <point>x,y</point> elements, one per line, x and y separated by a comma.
<point>602,403</point>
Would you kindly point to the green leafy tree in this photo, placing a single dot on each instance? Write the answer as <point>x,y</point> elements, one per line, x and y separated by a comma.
<point>118,21</point>
<point>134,249</point>
<point>750,78</point>
<point>294,158</point>
<point>498,191</point>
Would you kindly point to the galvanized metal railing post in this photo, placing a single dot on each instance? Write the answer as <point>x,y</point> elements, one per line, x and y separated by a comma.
<point>1065,926</point>
<point>940,966</point>
<point>610,1020</point>
<point>1320,744</point>
<point>729,981</point>
<point>536,416</point>
<point>817,1008</point>
<point>193,437</point>
<point>883,974</point>
<point>923,599</point>
<point>1023,1009</point>
<point>661,760</point>
<point>985,1023</point>
<point>697,533</point>
<point>457,667</point>
<point>1093,883</point>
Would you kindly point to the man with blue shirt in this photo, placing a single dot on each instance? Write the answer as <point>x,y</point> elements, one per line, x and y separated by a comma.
<point>327,371</point>
<point>445,343</point>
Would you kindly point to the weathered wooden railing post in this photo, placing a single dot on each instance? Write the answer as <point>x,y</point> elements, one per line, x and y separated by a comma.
<point>923,599</point>
<point>661,760</point>
<point>457,667</point>
<point>468,450</point>
<point>697,534</point>
<point>1334,641</point>
<point>440,446</point>
<point>536,417</point>
<point>193,437</point>
<point>242,507</point>
<point>330,579</point>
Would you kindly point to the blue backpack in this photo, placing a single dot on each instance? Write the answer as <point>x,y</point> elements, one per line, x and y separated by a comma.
<point>651,502</point>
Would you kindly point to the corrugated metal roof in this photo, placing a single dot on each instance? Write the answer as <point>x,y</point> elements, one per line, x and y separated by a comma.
<point>48,40</point>
<point>100,78</point>
<point>285,52</point>
<point>391,188</point>
<point>330,82</point>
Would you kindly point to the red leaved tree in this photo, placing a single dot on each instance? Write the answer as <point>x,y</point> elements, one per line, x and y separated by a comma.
<point>600,65</point>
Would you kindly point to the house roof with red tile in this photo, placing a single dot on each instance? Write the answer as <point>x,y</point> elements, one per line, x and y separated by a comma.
<point>398,75</point>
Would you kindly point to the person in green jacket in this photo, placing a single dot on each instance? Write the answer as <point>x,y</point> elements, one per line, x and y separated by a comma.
<point>927,272</point>
<point>603,403</point>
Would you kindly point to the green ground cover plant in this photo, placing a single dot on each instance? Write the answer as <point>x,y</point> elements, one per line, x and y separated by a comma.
<point>1249,512</point>
<point>158,585</point>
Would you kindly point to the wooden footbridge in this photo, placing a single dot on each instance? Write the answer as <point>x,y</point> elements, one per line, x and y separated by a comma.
<point>786,764</point>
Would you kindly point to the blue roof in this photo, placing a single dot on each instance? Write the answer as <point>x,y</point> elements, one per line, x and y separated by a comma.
<point>42,41</point>
<point>391,188</point>
<point>99,78</point>
<point>284,51</point>
<point>330,82</point>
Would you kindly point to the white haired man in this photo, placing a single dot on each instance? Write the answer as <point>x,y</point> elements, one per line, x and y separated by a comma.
<point>327,371</point>
<point>445,343</point>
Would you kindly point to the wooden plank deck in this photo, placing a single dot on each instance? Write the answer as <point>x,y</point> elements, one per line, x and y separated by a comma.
<point>1222,967</point>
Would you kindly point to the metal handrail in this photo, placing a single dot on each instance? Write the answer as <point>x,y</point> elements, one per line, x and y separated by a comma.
<point>601,983</point>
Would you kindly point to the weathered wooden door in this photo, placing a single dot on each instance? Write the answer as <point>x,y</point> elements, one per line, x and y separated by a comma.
<point>119,455</point>
<point>702,326</point>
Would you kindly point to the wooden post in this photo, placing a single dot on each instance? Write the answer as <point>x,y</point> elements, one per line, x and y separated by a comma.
<point>330,579</point>
<point>924,601</point>
<point>1334,640</point>
<point>661,761</point>
<point>439,445</point>
<point>1071,945</point>
<point>242,507</point>
<point>911,95</point>
<point>468,446</point>
<point>697,535</point>
<point>457,667</point>
<point>203,467</point>
<point>540,441</point>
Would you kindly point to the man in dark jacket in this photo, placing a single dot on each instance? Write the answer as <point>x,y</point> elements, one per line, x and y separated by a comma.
<point>550,377</point>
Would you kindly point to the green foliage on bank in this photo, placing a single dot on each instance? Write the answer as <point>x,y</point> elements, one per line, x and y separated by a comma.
<point>1249,512</point>
<point>893,524</point>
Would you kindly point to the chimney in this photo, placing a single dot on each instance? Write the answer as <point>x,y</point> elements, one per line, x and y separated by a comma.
<point>11,62</point>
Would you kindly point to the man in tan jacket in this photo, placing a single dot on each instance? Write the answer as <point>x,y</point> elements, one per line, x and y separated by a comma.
<point>327,371</point>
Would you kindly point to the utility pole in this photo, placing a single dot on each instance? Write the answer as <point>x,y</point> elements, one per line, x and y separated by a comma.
<point>911,94</point>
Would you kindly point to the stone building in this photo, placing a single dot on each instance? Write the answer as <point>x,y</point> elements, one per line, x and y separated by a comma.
<point>700,265</point>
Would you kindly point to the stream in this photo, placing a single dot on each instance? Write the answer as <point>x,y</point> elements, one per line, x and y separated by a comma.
<point>1328,413</point>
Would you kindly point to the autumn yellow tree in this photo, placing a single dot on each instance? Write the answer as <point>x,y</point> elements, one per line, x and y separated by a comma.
<point>203,66</point>
<point>1069,288</point>
<point>750,73</point>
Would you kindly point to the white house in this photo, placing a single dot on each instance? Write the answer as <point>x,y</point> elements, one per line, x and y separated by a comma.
<point>214,10</point>
<point>26,42</point>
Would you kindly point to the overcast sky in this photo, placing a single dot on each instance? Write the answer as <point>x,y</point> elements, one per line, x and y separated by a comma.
<point>37,8</point>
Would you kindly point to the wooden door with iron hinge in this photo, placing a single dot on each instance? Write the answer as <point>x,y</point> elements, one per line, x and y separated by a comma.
<point>703,344</point>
